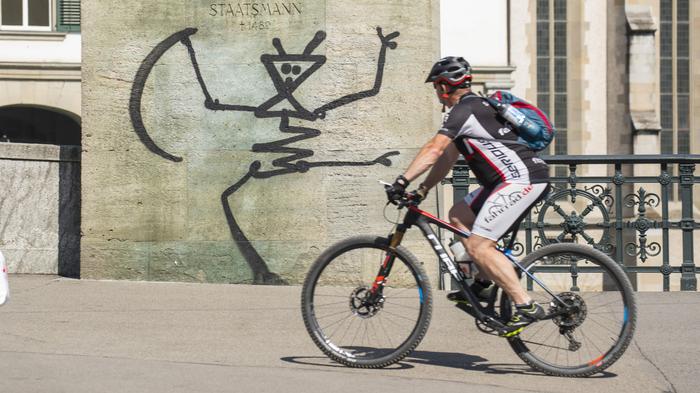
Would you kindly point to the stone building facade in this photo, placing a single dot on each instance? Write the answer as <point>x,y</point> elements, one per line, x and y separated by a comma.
<point>616,77</point>
<point>40,118</point>
<point>230,142</point>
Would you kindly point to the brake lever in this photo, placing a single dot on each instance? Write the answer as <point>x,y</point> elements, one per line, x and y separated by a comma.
<point>404,202</point>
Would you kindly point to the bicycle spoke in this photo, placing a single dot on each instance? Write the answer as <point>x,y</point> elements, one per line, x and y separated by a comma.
<point>604,327</point>
<point>336,313</point>
<point>542,345</point>
<point>385,332</point>
<point>592,343</point>
<point>401,305</point>
<point>343,296</point>
<point>601,315</point>
<point>412,320</point>
<point>329,304</point>
<point>357,331</point>
<point>338,327</point>
<point>347,329</point>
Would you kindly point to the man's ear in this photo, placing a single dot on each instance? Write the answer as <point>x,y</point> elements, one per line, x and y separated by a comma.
<point>443,91</point>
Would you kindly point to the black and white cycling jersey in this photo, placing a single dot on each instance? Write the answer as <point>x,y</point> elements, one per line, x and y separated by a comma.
<point>490,146</point>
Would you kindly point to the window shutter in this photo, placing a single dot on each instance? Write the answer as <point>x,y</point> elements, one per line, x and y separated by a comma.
<point>68,15</point>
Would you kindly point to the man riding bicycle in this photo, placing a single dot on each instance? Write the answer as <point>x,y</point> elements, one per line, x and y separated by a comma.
<point>512,177</point>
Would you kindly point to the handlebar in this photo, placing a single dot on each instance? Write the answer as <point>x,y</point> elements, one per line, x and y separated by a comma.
<point>408,198</point>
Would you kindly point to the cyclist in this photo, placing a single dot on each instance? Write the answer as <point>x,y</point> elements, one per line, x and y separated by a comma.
<point>512,178</point>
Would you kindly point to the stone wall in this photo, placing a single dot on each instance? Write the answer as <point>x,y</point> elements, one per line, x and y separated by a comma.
<point>39,208</point>
<point>233,142</point>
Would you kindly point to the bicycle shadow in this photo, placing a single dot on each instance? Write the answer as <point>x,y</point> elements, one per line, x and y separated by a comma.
<point>477,363</point>
<point>454,360</point>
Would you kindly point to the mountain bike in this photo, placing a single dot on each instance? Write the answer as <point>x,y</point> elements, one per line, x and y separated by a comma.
<point>367,301</point>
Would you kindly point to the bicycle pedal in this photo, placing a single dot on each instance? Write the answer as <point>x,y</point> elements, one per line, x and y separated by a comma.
<point>506,334</point>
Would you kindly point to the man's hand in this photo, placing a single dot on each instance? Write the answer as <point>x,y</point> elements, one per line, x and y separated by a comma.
<point>396,191</point>
<point>418,195</point>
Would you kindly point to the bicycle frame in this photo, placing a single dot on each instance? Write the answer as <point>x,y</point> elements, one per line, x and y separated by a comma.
<point>422,220</point>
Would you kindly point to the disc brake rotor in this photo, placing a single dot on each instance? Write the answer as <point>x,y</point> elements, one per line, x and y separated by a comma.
<point>362,306</point>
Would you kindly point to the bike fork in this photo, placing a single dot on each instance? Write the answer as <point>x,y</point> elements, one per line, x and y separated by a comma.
<point>385,268</point>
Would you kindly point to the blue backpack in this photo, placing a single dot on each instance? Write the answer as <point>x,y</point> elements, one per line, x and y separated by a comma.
<point>533,127</point>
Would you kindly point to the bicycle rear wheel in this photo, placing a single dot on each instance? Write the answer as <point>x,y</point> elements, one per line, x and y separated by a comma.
<point>350,326</point>
<point>593,336</point>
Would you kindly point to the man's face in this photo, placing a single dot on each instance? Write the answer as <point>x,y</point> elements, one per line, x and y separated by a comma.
<point>441,91</point>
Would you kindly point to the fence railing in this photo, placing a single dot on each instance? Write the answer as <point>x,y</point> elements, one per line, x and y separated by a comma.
<point>637,209</point>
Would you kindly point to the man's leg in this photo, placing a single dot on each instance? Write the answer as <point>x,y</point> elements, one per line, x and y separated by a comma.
<point>497,267</point>
<point>462,216</point>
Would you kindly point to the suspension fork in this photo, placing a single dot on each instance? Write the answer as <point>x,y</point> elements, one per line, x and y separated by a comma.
<point>394,241</point>
<point>384,270</point>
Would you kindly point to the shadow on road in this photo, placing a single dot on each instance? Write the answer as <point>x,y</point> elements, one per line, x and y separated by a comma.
<point>441,359</point>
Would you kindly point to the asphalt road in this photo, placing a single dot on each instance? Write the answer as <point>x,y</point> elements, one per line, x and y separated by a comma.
<point>62,335</point>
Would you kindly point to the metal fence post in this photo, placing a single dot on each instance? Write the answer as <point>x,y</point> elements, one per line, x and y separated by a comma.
<point>688,279</point>
<point>460,189</point>
<point>460,180</point>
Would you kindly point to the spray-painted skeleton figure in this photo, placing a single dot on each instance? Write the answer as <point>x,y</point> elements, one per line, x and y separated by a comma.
<point>295,161</point>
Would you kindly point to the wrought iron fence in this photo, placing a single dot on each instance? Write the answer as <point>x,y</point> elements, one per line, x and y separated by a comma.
<point>613,211</point>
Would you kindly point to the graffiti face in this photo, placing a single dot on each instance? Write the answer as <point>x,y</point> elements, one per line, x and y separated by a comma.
<point>287,72</point>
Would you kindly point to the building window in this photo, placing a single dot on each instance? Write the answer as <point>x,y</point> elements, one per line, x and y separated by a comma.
<point>25,14</point>
<point>683,77</point>
<point>674,74</point>
<point>666,76</point>
<point>552,73</point>
<point>40,15</point>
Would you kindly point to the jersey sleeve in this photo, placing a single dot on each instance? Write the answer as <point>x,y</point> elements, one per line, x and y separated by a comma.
<point>453,126</point>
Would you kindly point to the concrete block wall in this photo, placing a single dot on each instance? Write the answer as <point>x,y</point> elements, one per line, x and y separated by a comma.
<point>210,154</point>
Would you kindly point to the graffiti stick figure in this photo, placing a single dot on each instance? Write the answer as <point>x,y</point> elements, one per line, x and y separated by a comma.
<point>287,72</point>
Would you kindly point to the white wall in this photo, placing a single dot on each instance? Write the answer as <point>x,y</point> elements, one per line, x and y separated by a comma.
<point>521,23</point>
<point>39,51</point>
<point>475,30</point>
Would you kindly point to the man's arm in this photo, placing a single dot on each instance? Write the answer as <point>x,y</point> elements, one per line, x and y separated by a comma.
<point>429,154</point>
<point>442,167</point>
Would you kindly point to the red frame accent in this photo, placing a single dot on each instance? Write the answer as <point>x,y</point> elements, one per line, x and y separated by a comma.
<point>378,280</point>
<point>432,217</point>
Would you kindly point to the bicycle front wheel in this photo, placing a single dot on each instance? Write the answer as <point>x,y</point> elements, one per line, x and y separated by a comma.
<point>350,324</point>
<point>596,330</point>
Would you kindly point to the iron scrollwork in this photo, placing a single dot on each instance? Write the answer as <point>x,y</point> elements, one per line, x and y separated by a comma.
<point>574,225</point>
<point>642,199</point>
